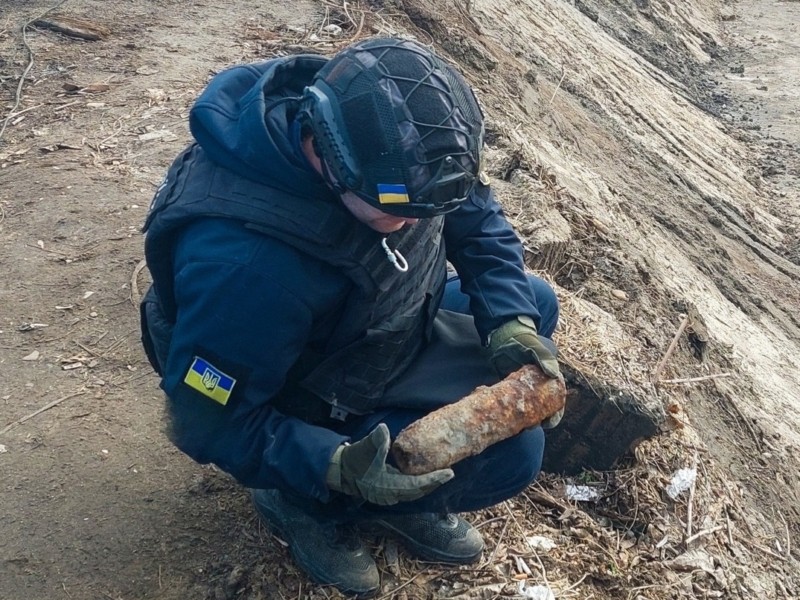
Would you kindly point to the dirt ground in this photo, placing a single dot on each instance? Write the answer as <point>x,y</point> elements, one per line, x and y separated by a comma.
<point>647,151</point>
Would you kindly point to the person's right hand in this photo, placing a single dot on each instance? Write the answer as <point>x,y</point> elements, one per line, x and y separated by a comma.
<point>360,470</point>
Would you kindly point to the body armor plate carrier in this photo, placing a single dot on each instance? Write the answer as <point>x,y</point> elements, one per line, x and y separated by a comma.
<point>388,317</point>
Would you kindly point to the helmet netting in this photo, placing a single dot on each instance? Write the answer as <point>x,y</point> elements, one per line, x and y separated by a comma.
<point>421,112</point>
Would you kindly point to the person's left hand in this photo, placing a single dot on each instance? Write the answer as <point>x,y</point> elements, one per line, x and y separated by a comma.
<point>517,343</point>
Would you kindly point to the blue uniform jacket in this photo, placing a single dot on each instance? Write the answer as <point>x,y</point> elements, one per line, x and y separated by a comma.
<point>250,304</point>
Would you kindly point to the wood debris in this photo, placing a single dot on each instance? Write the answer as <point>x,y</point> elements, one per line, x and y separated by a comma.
<point>74,27</point>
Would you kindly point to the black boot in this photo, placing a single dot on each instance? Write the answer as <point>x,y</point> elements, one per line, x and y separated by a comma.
<point>328,552</point>
<point>435,537</point>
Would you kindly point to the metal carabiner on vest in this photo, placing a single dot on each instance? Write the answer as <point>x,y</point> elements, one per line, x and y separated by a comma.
<point>394,256</point>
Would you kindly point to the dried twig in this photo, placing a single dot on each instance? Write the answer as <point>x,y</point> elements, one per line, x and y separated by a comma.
<point>13,115</point>
<point>700,534</point>
<point>695,379</point>
<point>560,81</point>
<point>136,296</point>
<point>542,568</point>
<point>690,503</point>
<point>728,527</point>
<point>749,542</point>
<point>490,559</point>
<point>72,27</point>
<point>119,126</point>
<point>347,13</point>
<point>28,67</point>
<point>671,349</point>
<point>788,536</point>
<point>89,350</point>
<point>404,584</point>
<point>360,27</point>
<point>742,420</point>
<point>40,411</point>
<point>539,496</point>
<point>67,105</point>
<point>576,584</point>
<point>679,581</point>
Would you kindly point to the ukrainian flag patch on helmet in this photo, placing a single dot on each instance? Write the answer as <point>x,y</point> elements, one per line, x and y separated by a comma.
<point>392,193</point>
<point>209,381</point>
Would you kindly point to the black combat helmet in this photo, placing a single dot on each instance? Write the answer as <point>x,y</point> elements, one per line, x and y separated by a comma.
<point>397,126</point>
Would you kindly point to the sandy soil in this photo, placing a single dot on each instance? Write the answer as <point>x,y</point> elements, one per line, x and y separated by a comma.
<point>660,139</point>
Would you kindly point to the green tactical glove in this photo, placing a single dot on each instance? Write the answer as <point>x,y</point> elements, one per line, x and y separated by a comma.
<point>360,470</point>
<point>516,343</point>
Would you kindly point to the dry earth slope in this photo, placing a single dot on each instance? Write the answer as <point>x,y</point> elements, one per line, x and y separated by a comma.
<point>607,148</point>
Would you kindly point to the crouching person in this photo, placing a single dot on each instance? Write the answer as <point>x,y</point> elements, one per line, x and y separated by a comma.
<point>302,312</point>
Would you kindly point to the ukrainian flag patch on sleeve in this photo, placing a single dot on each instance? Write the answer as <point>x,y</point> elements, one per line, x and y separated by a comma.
<point>209,381</point>
<point>392,193</point>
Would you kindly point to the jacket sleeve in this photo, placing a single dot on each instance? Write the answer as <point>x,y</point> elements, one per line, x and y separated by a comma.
<point>488,257</point>
<point>244,316</point>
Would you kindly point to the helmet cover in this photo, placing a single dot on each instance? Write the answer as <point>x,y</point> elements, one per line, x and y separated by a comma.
<point>397,126</point>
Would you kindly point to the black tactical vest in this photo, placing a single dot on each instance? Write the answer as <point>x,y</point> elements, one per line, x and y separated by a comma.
<point>386,321</point>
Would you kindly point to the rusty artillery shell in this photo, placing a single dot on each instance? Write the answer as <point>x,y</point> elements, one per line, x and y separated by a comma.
<point>486,416</point>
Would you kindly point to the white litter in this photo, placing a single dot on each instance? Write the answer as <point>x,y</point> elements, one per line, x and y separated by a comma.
<point>333,30</point>
<point>682,480</point>
<point>538,542</point>
<point>536,592</point>
<point>582,493</point>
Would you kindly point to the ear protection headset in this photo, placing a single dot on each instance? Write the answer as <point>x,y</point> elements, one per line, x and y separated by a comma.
<point>330,137</point>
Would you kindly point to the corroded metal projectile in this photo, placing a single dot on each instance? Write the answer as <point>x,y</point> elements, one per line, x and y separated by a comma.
<point>486,416</point>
